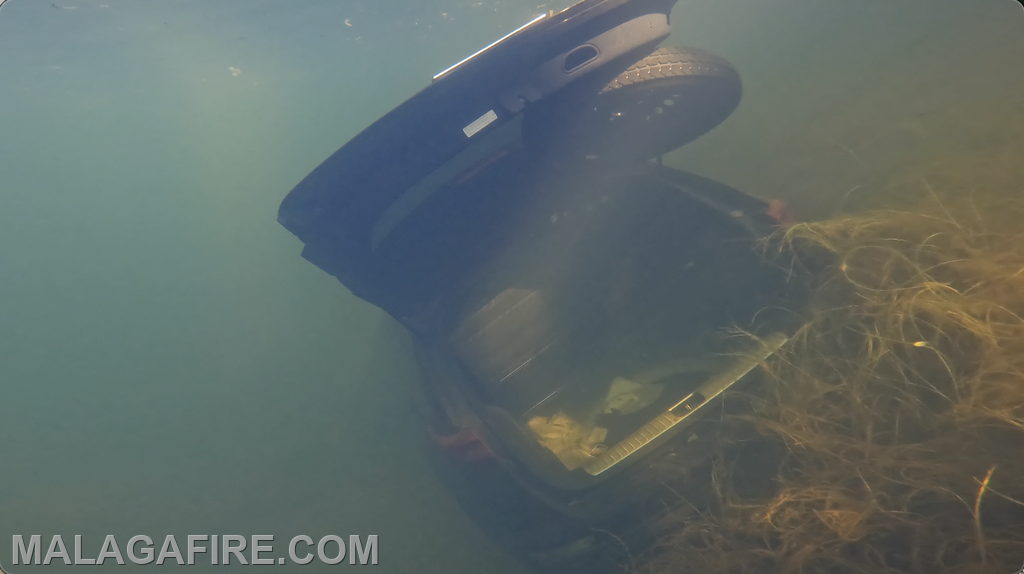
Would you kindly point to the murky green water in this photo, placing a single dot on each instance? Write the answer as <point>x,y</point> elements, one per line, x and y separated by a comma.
<point>168,362</point>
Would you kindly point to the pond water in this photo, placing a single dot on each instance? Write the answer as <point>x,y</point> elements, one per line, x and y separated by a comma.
<point>168,362</point>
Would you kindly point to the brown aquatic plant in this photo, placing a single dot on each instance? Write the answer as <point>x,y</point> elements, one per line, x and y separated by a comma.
<point>889,431</point>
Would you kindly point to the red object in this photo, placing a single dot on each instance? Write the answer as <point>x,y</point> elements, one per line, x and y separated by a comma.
<point>465,444</point>
<point>780,211</point>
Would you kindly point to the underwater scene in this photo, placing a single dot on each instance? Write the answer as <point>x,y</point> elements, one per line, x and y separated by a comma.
<point>638,286</point>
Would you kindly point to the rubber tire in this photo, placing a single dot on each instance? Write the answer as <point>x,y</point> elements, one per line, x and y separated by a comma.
<point>666,63</point>
<point>664,101</point>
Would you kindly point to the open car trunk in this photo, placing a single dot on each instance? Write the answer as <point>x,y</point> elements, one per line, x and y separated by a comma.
<point>601,327</point>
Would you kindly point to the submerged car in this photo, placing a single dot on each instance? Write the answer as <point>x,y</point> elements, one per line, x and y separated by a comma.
<point>573,302</point>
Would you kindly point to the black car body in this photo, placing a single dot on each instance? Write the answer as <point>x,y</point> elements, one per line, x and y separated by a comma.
<point>570,298</point>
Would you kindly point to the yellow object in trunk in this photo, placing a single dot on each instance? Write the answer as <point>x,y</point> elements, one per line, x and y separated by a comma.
<point>573,443</point>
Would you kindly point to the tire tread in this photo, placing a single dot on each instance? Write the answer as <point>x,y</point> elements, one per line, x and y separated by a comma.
<point>670,63</point>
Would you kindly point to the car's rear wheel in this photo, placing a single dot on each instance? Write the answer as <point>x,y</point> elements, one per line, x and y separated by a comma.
<point>662,102</point>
